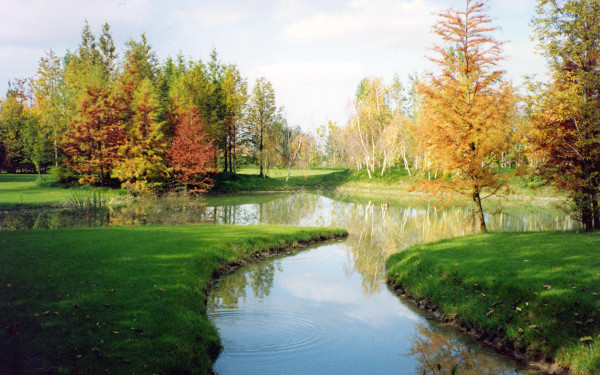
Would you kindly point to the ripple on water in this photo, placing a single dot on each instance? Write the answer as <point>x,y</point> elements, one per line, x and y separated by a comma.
<point>264,333</point>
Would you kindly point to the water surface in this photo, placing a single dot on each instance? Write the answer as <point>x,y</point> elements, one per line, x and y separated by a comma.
<point>327,309</point>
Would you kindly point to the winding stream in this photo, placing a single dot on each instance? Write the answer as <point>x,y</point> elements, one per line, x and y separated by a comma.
<point>327,309</point>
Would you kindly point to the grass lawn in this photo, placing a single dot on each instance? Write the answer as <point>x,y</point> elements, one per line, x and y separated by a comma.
<point>127,299</point>
<point>539,291</point>
<point>27,190</point>
<point>248,179</point>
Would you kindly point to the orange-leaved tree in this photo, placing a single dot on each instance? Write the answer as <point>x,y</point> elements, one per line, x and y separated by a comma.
<point>466,106</point>
<point>192,152</point>
<point>95,135</point>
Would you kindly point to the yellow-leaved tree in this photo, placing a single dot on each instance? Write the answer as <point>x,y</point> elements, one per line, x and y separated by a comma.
<point>466,106</point>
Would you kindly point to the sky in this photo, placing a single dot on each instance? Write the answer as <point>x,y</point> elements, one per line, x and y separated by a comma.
<point>314,52</point>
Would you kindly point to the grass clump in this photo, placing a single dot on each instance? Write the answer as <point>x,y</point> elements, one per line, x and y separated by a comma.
<point>126,299</point>
<point>536,293</point>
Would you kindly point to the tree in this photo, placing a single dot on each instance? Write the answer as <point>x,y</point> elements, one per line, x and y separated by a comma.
<point>466,107</point>
<point>372,114</point>
<point>12,122</point>
<point>50,100</point>
<point>331,142</point>
<point>96,134</point>
<point>36,143</point>
<point>140,64</point>
<point>202,87</point>
<point>263,121</point>
<point>566,116</point>
<point>142,166</point>
<point>235,96</point>
<point>108,54</point>
<point>192,153</point>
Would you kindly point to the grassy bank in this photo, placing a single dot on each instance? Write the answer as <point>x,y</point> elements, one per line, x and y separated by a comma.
<point>30,191</point>
<point>248,179</point>
<point>393,181</point>
<point>536,293</point>
<point>128,299</point>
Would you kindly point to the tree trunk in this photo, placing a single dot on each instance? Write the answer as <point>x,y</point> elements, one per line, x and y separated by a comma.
<point>596,212</point>
<point>479,211</point>
<point>584,203</point>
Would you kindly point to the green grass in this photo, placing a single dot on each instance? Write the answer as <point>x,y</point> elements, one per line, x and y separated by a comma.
<point>539,291</point>
<point>248,179</point>
<point>28,190</point>
<point>395,180</point>
<point>127,299</point>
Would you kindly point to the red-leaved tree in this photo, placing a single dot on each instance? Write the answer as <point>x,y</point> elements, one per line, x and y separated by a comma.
<point>96,134</point>
<point>192,152</point>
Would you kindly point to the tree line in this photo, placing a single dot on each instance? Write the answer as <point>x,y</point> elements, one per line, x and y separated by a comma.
<point>133,121</point>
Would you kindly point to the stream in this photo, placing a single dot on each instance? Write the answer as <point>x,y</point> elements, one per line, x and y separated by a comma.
<point>327,308</point>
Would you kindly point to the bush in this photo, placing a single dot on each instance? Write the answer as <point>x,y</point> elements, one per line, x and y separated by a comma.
<point>64,174</point>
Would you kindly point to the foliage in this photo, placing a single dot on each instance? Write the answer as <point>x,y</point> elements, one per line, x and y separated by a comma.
<point>142,166</point>
<point>466,108</point>
<point>565,126</point>
<point>12,122</point>
<point>192,153</point>
<point>97,133</point>
<point>265,124</point>
<point>536,292</point>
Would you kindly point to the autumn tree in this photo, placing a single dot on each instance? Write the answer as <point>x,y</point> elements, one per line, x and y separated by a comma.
<point>191,155</point>
<point>142,166</point>
<point>466,106</point>
<point>566,115</point>
<point>96,134</point>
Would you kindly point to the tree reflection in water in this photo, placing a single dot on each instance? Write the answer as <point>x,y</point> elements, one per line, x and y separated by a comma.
<point>233,288</point>
<point>439,353</point>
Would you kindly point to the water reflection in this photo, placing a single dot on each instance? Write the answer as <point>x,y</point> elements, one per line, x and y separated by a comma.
<point>305,314</point>
<point>168,210</point>
<point>438,352</point>
<point>378,229</point>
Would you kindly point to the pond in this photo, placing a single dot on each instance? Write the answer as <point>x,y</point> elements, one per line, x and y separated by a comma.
<point>327,308</point>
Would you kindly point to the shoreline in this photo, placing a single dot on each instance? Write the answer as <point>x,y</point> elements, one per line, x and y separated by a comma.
<point>498,344</point>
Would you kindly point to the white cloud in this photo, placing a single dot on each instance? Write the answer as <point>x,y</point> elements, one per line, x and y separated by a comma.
<point>385,23</point>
